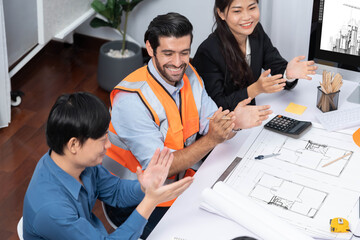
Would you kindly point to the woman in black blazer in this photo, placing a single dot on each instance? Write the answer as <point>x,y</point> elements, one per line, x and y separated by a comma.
<point>230,60</point>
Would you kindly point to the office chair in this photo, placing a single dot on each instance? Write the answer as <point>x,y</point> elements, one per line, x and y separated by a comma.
<point>107,217</point>
<point>20,229</point>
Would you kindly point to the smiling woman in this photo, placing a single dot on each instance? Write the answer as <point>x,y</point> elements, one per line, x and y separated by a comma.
<point>231,59</point>
<point>241,18</point>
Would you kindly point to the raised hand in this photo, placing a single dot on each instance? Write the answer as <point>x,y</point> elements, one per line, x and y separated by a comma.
<point>248,116</point>
<point>168,192</point>
<point>156,173</point>
<point>297,68</point>
<point>153,178</point>
<point>266,84</point>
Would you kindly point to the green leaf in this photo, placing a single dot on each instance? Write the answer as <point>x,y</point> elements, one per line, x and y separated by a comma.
<point>117,14</point>
<point>97,22</point>
<point>129,5</point>
<point>100,8</point>
<point>112,10</point>
<point>97,5</point>
<point>110,4</point>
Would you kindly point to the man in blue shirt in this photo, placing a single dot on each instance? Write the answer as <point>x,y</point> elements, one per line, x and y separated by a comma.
<point>68,179</point>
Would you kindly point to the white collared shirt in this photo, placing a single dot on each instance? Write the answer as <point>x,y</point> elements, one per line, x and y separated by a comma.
<point>248,52</point>
<point>248,58</point>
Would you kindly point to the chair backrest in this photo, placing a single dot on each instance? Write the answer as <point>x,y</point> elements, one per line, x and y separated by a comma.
<point>107,217</point>
<point>20,229</point>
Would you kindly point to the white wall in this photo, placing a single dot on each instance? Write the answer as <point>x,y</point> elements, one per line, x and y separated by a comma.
<point>5,110</point>
<point>288,25</point>
<point>20,26</point>
<point>56,15</point>
<point>286,22</point>
<point>32,23</point>
<point>199,12</point>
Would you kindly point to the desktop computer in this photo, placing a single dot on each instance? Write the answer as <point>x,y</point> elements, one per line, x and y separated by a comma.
<point>335,39</point>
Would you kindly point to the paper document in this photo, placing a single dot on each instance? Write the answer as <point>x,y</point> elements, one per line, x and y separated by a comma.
<point>294,185</point>
<point>249,214</point>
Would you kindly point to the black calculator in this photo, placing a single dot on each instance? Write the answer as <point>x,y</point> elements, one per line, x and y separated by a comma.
<point>288,126</point>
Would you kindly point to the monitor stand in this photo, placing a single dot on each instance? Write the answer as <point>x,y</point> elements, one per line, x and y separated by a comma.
<point>355,96</point>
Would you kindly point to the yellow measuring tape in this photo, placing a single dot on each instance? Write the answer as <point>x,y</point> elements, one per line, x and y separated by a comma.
<point>339,225</point>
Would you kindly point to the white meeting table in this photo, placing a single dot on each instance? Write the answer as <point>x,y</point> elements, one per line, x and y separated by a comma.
<point>185,220</point>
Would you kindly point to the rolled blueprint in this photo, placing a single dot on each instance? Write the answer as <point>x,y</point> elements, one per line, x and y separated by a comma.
<point>225,201</point>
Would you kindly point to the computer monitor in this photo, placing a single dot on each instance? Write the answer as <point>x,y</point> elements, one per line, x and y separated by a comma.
<point>335,39</point>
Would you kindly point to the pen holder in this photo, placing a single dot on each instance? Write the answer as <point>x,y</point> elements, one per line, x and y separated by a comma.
<point>327,101</point>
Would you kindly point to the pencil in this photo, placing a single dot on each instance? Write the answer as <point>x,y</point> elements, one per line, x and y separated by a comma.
<point>224,118</point>
<point>327,164</point>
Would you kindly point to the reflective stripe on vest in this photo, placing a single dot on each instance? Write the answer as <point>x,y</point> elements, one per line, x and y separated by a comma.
<point>178,131</point>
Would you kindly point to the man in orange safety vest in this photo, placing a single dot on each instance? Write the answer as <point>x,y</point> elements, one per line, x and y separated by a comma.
<point>165,104</point>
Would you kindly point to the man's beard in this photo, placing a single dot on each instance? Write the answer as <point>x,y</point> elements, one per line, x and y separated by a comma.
<point>168,77</point>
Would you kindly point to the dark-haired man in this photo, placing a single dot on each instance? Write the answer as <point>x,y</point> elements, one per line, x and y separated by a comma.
<point>165,104</point>
<point>68,179</point>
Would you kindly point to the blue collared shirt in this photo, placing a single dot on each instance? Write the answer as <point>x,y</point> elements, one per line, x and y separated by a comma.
<point>134,124</point>
<point>57,206</point>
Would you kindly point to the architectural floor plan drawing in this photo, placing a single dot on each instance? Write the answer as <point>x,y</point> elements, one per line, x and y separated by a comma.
<point>288,195</point>
<point>297,185</point>
<point>313,155</point>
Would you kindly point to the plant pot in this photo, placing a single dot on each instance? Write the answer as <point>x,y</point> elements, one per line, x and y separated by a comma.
<point>112,70</point>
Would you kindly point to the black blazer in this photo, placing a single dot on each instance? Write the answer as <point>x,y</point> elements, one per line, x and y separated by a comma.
<point>210,64</point>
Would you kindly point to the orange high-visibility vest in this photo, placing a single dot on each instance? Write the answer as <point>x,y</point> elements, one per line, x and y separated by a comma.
<point>179,128</point>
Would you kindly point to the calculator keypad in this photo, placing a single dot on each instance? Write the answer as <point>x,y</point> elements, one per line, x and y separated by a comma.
<point>281,123</point>
<point>287,125</point>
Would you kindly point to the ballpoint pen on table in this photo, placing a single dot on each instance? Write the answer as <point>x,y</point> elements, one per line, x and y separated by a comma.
<point>260,157</point>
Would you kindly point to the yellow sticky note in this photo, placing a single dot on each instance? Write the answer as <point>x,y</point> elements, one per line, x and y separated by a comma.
<point>295,108</point>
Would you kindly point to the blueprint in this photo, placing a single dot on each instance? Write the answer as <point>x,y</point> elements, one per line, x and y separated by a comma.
<point>295,185</point>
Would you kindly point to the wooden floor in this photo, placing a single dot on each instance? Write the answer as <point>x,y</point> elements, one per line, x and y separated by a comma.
<point>58,68</point>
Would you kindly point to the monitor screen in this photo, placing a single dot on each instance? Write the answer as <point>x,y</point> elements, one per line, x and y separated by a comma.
<point>335,34</point>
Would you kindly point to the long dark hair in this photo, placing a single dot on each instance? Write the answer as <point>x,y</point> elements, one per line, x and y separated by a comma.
<point>239,70</point>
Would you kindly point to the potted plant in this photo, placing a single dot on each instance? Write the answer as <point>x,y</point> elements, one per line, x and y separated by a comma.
<point>118,58</point>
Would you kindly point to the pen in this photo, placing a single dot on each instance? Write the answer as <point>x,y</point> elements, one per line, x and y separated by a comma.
<point>224,118</point>
<point>260,157</point>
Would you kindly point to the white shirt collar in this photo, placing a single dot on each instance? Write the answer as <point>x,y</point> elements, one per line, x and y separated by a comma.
<point>248,52</point>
